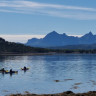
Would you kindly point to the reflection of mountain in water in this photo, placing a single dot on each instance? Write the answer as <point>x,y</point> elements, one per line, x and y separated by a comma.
<point>65,66</point>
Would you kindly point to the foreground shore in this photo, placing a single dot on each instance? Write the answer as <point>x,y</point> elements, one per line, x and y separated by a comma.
<point>67,93</point>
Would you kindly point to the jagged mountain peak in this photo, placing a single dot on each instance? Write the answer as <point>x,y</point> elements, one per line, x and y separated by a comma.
<point>53,33</point>
<point>89,34</point>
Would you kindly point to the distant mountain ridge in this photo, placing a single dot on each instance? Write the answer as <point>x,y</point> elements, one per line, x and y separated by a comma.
<point>54,39</point>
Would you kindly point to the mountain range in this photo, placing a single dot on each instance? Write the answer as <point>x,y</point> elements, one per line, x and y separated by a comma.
<point>54,39</point>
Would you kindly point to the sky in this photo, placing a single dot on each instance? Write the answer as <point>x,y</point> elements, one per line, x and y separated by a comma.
<point>21,19</point>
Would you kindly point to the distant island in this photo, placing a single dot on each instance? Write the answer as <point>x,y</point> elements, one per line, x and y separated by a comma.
<point>11,48</point>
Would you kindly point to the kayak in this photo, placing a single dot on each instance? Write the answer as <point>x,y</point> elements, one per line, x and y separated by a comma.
<point>8,72</point>
<point>1,71</point>
<point>24,69</point>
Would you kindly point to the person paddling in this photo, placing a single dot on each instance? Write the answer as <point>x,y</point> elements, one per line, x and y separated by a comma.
<point>25,68</point>
<point>2,70</point>
<point>10,70</point>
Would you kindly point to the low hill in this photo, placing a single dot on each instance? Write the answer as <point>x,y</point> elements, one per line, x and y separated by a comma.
<point>11,47</point>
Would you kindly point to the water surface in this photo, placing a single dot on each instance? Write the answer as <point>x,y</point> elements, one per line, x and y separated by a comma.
<point>49,73</point>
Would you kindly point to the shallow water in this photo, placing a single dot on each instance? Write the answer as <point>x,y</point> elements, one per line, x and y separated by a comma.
<point>49,73</point>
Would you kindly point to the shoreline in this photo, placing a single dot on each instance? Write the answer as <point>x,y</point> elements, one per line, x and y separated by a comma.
<point>67,93</point>
<point>36,54</point>
<point>26,54</point>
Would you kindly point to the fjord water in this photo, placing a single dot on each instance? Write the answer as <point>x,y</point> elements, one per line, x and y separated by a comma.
<point>49,73</point>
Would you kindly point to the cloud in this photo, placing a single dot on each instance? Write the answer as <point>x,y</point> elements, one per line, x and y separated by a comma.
<point>73,15</point>
<point>20,38</point>
<point>64,11</point>
<point>76,35</point>
<point>30,4</point>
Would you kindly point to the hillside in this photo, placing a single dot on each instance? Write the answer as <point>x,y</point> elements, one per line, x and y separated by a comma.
<point>11,47</point>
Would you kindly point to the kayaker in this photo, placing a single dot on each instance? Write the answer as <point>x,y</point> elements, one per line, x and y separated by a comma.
<point>2,70</point>
<point>10,70</point>
<point>25,68</point>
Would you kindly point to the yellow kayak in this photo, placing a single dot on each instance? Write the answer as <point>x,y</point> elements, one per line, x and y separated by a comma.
<point>1,71</point>
<point>11,72</point>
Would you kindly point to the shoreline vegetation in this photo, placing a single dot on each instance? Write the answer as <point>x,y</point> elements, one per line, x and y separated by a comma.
<point>52,52</point>
<point>38,54</point>
<point>67,93</point>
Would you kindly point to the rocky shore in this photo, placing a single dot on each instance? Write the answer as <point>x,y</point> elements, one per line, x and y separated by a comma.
<point>67,93</point>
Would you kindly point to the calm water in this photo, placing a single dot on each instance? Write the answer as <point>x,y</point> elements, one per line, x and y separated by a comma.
<point>75,72</point>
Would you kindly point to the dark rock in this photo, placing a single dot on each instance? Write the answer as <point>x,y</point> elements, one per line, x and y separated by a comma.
<point>69,92</point>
